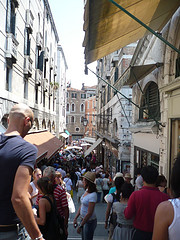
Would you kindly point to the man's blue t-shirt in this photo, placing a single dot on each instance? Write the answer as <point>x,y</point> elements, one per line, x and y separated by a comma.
<point>14,152</point>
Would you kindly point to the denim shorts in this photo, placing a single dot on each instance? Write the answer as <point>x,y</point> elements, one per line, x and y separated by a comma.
<point>19,234</point>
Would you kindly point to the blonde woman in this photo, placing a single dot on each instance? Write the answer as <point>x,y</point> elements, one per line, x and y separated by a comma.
<point>33,190</point>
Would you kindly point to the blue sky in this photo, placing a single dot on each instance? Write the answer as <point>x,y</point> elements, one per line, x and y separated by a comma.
<point>68,17</point>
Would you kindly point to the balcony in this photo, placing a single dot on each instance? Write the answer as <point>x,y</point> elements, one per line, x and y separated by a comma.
<point>38,77</point>
<point>51,63</point>
<point>108,75</point>
<point>39,40</point>
<point>45,84</point>
<point>29,20</point>
<point>28,66</point>
<point>11,47</point>
<point>46,53</point>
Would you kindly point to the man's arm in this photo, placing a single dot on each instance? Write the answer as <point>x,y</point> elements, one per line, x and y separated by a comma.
<point>21,202</point>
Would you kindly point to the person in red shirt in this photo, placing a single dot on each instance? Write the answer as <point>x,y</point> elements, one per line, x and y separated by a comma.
<point>142,204</point>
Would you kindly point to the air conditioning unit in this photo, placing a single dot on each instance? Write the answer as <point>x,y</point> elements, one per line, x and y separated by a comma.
<point>28,66</point>
<point>29,20</point>
<point>38,77</point>
<point>51,63</point>
<point>46,53</point>
<point>39,39</point>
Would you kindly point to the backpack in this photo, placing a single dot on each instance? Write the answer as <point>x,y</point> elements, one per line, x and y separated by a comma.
<point>113,216</point>
<point>52,229</point>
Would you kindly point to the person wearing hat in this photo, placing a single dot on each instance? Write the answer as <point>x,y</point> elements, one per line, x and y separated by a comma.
<point>86,210</point>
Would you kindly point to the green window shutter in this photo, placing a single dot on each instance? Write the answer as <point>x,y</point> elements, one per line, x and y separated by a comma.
<point>40,61</point>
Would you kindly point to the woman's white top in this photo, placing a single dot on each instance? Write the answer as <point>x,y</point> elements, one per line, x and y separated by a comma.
<point>85,200</point>
<point>105,184</point>
<point>174,228</point>
<point>68,183</point>
<point>34,192</point>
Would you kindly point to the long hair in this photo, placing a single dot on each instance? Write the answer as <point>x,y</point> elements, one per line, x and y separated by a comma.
<point>119,181</point>
<point>45,185</point>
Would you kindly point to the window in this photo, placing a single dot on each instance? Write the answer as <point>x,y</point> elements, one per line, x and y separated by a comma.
<point>44,99</point>
<point>73,107</point>
<point>67,94</point>
<point>36,94</point>
<point>83,95</point>
<point>11,16</point>
<point>9,77</point>
<point>25,88</point>
<point>39,59</point>
<point>27,42</point>
<point>67,107</point>
<point>81,119</point>
<point>116,74</point>
<point>150,103</point>
<point>67,119</point>
<point>49,101</point>
<point>72,119</point>
<point>177,74</point>
<point>73,95</point>
<point>77,129</point>
<point>88,105</point>
<point>82,107</point>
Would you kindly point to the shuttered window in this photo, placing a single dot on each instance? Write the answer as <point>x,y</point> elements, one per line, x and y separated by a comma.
<point>27,42</point>
<point>150,103</point>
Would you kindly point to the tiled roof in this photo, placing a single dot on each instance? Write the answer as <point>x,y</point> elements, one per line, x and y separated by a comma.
<point>46,142</point>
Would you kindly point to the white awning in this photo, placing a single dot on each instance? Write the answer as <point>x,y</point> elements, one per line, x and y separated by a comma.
<point>64,135</point>
<point>93,147</point>
<point>108,29</point>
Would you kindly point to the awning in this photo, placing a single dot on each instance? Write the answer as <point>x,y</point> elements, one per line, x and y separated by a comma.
<point>88,139</point>
<point>64,135</point>
<point>134,74</point>
<point>108,29</point>
<point>66,131</point>
<point>47,144</point>
<point>87,152</point>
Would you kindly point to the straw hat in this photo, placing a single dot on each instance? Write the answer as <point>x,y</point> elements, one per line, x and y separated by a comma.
<point>118,174</point>
<point>90,176</point>
<point>128,175</point>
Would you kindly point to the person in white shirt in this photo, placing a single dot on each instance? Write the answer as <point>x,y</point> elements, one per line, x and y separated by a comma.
<point>87,209</point>
<point>68,183</point>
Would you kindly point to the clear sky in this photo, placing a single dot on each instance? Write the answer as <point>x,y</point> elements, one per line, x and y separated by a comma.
<point>68,18</point>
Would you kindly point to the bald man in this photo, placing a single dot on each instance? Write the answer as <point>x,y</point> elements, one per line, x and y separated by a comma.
<point>17,160</point>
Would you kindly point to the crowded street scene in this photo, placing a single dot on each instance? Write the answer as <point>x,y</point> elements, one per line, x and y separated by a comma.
<point>90,120</point>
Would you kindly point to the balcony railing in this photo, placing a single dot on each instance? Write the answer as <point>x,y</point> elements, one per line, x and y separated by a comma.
<point>11,47</point>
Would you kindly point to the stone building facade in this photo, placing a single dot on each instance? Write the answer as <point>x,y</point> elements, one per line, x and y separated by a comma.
<point>28,60</point>
<point>114,111</point>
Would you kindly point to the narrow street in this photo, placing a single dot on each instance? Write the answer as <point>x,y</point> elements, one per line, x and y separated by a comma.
<point>100,233</point>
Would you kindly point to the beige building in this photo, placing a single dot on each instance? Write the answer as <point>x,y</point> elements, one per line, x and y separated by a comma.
<point>28,61</point>
<point>75,112</point>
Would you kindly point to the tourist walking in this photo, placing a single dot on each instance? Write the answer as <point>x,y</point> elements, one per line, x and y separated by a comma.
<point>167,217</point>
<point>124,228</point>
<point>86,211</point>
<point>18,158</point>
<point>33,190</point>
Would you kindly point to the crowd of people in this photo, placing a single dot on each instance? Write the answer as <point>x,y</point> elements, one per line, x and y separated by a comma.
<point>36,203</point>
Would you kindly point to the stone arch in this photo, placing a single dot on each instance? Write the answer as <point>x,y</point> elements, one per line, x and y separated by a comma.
<point>49,126</point>
<point>53,127</point>
<point>43,124</point>
<point>36,124</point>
